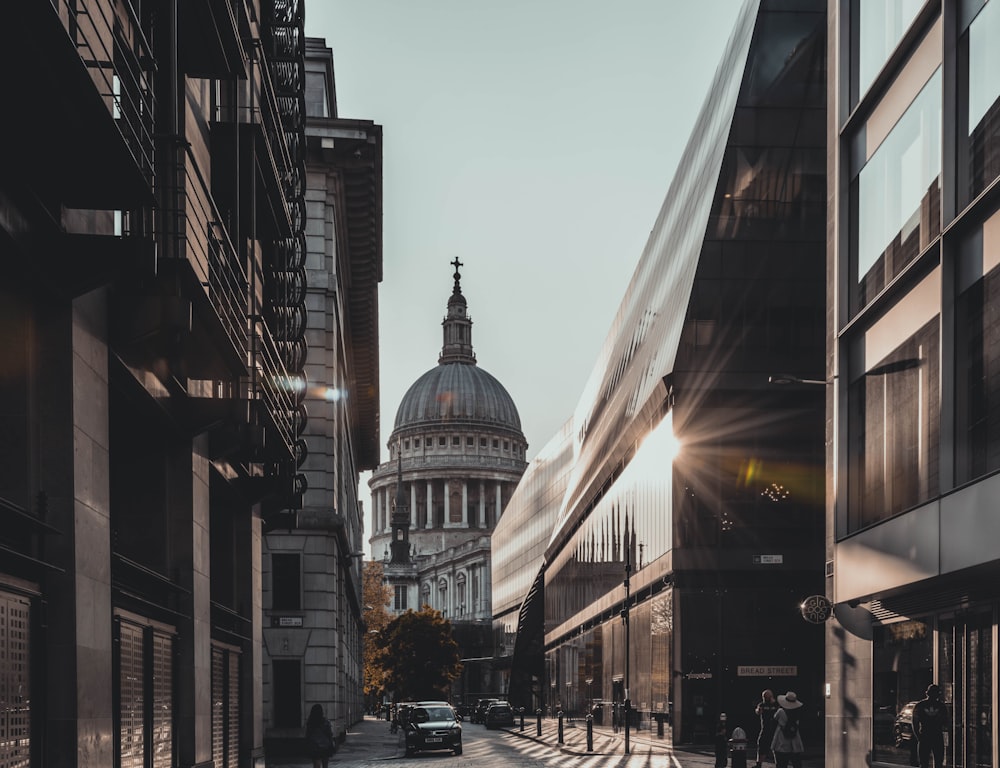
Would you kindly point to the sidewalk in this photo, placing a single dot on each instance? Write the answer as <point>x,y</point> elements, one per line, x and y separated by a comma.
<point>643,742</point>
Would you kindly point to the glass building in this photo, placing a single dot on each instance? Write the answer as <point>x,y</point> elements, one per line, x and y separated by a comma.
<point>688,527</point>
<point>914,131</point>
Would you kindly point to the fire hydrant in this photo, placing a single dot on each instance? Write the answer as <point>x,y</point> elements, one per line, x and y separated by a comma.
<point>738,747</point>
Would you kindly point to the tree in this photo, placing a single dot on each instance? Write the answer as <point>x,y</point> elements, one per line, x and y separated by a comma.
<point>376,596</point>
<point>419,655</point>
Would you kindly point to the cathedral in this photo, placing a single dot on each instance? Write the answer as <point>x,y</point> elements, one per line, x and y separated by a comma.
<point>456,454</point>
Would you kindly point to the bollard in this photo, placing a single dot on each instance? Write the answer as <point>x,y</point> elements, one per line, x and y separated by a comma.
<point>659,726</point>
<point>738,748</point>
<point>538,722</point>
<point>590,733</point>
<point>520,711</point>
<point>560,715</point>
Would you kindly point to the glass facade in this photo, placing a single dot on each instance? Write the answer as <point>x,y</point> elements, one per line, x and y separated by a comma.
<point>915,453</point>
<point>979,115</point>
<point>879,26</point>
<point>896,195</point>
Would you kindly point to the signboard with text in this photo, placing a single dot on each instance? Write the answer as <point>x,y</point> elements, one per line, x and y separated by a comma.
<point>767,670</point>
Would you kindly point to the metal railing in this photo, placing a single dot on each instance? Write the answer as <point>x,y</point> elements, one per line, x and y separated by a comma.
<point>115,52</point>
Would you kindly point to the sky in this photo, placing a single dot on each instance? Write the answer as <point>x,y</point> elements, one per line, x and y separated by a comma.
<point>535,141</point>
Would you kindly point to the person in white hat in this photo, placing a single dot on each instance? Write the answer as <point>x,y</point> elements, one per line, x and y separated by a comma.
<point>787,741</point>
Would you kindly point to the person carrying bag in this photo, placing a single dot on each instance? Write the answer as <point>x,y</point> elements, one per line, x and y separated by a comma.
<point>787,740</point>
<point>319,737</point>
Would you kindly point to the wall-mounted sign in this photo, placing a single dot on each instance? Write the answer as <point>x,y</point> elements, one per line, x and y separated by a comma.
<point>699,675</point>
<point>816,609</point>
<point>768,559</point>
<point>767,670</point>
<point>286,621</point>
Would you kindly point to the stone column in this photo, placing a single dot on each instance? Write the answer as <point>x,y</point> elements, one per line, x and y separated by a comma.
<point>481,522</point>
<point>465,504</point>
<point>413,506</point>
<point>447,505</point>
<point>429,523</point>
<point>499,508</point>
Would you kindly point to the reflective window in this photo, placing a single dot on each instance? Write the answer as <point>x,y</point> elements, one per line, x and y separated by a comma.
<point>902,668</point>
<point>894,409</point>
<point>977,346</point>
<point>879,25</point>
<point>979,117</point>
<point>896,196</point>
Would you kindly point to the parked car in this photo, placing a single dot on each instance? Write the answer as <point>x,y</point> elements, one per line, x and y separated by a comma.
<point>902,728</point>
<point>432,726</point>
<point>479,713</point>
<point>499,715</point>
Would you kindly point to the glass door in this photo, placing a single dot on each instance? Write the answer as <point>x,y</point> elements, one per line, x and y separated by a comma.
<point>965,653</point>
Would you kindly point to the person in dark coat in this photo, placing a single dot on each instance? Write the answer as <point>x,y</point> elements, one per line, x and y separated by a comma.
<point>765,710</point>
<point>319,737</point>
<point>930,718</point>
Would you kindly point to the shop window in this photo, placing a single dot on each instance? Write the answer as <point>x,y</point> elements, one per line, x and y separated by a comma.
<point>145,658</point>
<point>225,706</point>
<point>286,582</point>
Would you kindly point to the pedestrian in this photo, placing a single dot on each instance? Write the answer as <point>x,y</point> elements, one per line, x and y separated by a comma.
<point>721,742</point>
<point>765,710</point>
<point>319,737</point>
<point>787,740</point>
<point>930,718</point>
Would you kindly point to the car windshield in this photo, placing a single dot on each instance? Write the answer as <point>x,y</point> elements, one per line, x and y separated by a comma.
<point>432,714</point>
<point>500,708</point>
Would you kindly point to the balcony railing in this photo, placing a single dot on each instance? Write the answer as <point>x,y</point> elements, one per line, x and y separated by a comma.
<point>276,390</point>
<point>115,52</point>
<point>195,233</point>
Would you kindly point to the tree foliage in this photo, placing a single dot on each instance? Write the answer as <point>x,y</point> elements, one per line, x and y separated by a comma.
<point>419,656</point>
<point>376,596</point>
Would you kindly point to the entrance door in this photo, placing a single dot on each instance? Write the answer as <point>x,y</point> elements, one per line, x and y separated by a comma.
<point>966,668</point>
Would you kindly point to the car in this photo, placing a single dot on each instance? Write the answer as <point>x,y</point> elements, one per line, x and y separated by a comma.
<point>499,715</point>
<point>479,713</point>
<point>432,726</point>
<point>902,727</point>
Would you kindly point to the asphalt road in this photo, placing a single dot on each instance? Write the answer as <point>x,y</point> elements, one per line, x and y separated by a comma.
<point>370,743</point>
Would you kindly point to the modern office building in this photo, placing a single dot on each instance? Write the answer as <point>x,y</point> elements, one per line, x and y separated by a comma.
<point>312,561</point>
<point>914,245</point>
<point>152,372</point>
<point>456,453</point>
<point>690,529</point>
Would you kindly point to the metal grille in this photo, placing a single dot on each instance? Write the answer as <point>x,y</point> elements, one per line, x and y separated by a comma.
<point>233,730</point>
<point>163,701</point>
<point>132,732</point>
<point>15,683</point>
<point>218,708</point>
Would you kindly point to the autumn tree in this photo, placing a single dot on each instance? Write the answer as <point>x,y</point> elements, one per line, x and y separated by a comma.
<point>376,596</point>
<point>419,656</point>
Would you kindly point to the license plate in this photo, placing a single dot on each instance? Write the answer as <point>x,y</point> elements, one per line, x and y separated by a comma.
<point>433,739</point>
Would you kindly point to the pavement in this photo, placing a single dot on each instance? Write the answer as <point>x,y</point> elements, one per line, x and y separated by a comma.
<point>371,737</point>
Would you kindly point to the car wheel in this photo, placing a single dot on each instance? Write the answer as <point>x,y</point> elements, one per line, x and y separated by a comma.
<point>458,749</point>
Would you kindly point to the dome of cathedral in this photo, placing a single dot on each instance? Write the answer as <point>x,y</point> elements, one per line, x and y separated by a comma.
<point>457,392</point>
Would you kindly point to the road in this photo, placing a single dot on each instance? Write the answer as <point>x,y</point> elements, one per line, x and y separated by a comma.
<point>370,744</point>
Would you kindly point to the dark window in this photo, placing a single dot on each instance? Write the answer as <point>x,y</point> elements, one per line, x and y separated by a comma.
<point>406,444</point>
<point>286,586</point>
<point>456,440</point>
<point>506,445</point>
<point>470,442</point>
<point>442,441</point>
<point>496,443</point>
<point>416,442</point>
<point>482,442</point>
<point>287,687</point>
<point>399,601</point>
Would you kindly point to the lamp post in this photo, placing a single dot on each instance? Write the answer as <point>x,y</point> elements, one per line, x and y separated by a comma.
<point>628,650</point>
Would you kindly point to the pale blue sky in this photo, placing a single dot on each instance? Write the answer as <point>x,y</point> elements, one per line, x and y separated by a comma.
<point>534,140</point>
